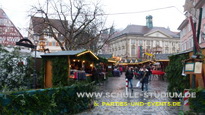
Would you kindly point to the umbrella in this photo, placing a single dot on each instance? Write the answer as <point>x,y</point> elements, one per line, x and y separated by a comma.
<point>157,72</point>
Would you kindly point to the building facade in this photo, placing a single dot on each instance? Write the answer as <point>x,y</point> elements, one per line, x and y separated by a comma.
<point>46,40</point>
<point>9,34</point>
<point>191,8</point>
<point>135,41</point>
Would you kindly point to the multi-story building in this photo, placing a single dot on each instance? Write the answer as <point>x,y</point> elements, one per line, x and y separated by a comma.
<point>191,8</point>
<point>9,34</point>
<point>46,41</point>
<point>136,40</point>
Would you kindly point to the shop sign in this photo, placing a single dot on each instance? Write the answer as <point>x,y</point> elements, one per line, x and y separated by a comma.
<point>193,68</point>
<point>189,67</point>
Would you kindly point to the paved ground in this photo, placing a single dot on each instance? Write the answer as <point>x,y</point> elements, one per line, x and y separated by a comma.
<point>117,85</point>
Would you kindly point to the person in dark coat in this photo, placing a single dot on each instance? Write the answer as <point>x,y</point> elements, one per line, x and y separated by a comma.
<point>144,75</point>
<point>129,75</point>
<point>150,72</point>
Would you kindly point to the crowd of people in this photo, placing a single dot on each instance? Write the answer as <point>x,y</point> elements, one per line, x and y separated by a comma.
<point>143,74</point>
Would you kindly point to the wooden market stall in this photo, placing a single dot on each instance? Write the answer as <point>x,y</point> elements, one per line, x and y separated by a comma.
<point>108,64</point>
<point>78,64</point>
<point>133,63</point>
<point>195,67</point>
<point>163,60</point>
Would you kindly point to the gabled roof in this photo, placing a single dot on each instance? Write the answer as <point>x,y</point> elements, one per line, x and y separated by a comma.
<point>71,53</point>
<point>157,31</point>
<point>183,24</point>
<point>142,30</point>
<point>64,53</point>
<point>6,25</point>
<point>39,24</point>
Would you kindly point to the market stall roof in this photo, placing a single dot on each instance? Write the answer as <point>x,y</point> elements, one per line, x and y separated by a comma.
<point>147,61</point>
<point>162,57</point>
<point>106,56</point>
<point>70,53</point>
<point>110,58</point>
<point>128,60</point>
<point>136,63</point>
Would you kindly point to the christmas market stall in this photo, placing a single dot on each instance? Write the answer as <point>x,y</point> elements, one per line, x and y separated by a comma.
<point>109,64</point>
<point>133,63</point>
<point>62,65</point>
<point>162,61</point>
<point>125,63</point>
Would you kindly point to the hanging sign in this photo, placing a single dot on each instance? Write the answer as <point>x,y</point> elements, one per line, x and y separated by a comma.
<point>189,67</point>
<point>193,68</point>
<point>149,54</point>
<point>198,67</point>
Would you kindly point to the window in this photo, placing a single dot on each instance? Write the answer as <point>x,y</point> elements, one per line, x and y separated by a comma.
<point>140,42</point>
<point>166,50</point>
<point>148,49</point>
<point>185,46</point>
<point>148,42</point>
<point>132,41</point>
<point>192,44</point>
<point>133,50</point>
<point>173,49</point>
<point>157,43</point>
<point>123,47</point>
<point>166,43</point>
<point>203,12</point>
<point>50,43</point>
<point>189,27</point>
<point>47,32</point>
<point>53,43</point>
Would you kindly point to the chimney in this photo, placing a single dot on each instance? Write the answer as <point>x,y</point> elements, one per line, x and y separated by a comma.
<point>149,23</point>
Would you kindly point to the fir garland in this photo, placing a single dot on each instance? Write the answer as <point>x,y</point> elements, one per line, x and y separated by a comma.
<point>177,82</point>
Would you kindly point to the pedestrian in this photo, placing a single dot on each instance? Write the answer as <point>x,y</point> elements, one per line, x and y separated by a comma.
<point>144,75</point>
<point>129,76</point>
<point>136,71</point>
<point>150,72</point>
<point>121,69</point>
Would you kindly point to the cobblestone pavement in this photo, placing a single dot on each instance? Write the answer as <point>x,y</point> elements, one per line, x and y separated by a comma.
<point>117,85</point>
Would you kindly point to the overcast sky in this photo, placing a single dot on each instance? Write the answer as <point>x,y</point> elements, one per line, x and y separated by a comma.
<point>169,14</point>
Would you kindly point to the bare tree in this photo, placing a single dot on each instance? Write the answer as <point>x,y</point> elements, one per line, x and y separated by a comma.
<point>80,23</point>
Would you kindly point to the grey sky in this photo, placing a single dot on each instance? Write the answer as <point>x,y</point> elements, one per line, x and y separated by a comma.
<point>17,11</point>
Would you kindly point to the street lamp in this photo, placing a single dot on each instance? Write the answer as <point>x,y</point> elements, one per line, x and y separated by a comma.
<point>35,39</point>
<point>27,43</point>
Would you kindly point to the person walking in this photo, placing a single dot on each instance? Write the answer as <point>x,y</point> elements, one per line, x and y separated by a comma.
<point>121,69</point>
<point>129,76</point>
<point>144,75</point>
<point>150,71</point>
<point>136,71</point>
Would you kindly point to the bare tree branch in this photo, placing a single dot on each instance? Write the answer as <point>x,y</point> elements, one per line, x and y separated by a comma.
<point>81,22</point>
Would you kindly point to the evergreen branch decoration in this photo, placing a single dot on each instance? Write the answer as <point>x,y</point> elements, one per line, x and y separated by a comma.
<point>177,82</point>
